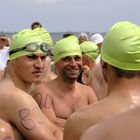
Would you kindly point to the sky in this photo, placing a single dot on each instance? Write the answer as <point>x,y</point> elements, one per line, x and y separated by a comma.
<point>67,15</point>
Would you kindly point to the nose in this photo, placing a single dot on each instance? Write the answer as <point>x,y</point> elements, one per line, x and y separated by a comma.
<point>39,63</point>
<point>72,62</point>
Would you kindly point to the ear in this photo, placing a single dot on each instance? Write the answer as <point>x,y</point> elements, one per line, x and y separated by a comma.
<point>104,67</point>
<point>85,59</point>
<point>85,77</point>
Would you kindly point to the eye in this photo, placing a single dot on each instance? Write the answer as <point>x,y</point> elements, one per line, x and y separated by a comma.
<point>43,57</point>
<point>77,58</point>
<point>66,59</point>
<point>32,56</point>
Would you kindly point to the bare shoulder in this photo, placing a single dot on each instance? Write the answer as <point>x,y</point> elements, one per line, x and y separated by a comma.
<point>43,88</point>
<point>9,92</point>
<point>88,92</point>
<point>123,126</point>
<point>45,85</point>
<point>13,100</point>
<point>84,88</point>
<point>16,97</point>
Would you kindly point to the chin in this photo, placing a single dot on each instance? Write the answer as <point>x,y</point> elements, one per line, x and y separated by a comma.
<point>36,80</point>
<point>73,78</point>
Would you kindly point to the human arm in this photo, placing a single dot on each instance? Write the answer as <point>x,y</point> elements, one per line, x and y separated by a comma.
<point>29,120</point>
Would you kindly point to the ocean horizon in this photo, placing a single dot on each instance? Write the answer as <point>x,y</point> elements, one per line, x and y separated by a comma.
<point>55,35</point>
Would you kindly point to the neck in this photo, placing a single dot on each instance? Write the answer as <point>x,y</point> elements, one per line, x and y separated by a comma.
<point>65,85</point>
<point>124,86</point>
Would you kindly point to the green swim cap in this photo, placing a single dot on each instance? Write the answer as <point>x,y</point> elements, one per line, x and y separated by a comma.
<point>73,38</point>
<point>121,46</point>
<point>66,47</point>
<point>90,48</point>
<point>23,38</point>
<point>45,35</point>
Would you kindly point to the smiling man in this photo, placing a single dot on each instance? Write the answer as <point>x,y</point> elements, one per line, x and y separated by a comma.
<point>62,96</point>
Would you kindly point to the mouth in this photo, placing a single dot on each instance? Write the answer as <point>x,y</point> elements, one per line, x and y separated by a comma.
<point>73,71</point>
<point>37,73</point>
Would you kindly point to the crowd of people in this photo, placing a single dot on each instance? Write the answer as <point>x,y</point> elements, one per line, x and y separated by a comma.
<point>79,88</point>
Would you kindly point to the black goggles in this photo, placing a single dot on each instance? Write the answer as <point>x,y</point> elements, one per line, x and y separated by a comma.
<point>33,47</point>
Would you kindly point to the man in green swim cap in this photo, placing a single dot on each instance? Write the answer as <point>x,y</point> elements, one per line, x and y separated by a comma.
<point>121,69</point>
<point>90,52</point>
<point>62,96</point>
<point>26,65</point>
<point>91,73</point>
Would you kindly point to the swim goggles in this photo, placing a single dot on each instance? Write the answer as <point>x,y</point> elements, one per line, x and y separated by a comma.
<point>33,47</point>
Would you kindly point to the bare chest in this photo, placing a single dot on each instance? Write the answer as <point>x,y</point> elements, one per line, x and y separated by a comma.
<point>65,107</point>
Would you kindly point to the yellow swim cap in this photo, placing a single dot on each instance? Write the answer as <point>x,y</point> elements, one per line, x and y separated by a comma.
<point>66,47</point>
<point>45,35</point>
<point>121,46</point>
<point>23,38</point>
<point>90,48</point>
<point>73,38</point>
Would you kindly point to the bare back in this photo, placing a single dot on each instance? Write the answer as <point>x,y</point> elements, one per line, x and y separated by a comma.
<point>123,126</point>
<point>92,115</point>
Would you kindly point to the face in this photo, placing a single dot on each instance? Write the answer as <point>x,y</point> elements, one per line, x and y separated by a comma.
<point>82,39</point>
<point>69,67</point>
<point>30,68</point>
<point>2,43</point>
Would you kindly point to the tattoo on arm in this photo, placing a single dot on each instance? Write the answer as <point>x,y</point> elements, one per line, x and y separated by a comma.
<point>25,120</point>
<point>42,101</point>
